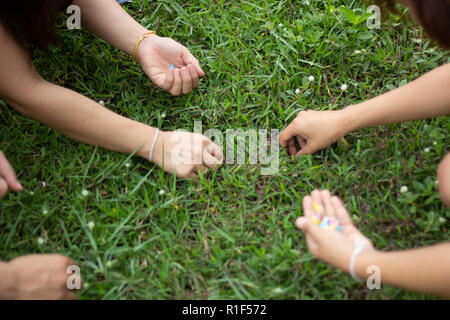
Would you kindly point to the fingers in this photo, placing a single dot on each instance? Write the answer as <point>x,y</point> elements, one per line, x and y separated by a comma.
<point>317,204</point>
<point>181,80</point>
<point>216,151</point>
<point>194,76</point>
<point>3,188</point>
<point>287,134</point>
<point>188,59</point>
<point>309,227</point>
<point>291,148</point>
<point>169,80</point>
<point>186,80</point>
<point>209,156</point>
<point>8,174</point>
<point>328,206</point>
<point>308,209</point>
<point>301,142</point>
<point>306,149</point>
<point>341,211</point>
<point>177,85</point>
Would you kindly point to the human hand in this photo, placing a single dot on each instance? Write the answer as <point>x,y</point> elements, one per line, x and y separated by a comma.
<point>41,277</point>
<point>313,131</point>
<point>329,245</point>
<point>186,153</point>
<point>156,54</point>
<point>8,179</point>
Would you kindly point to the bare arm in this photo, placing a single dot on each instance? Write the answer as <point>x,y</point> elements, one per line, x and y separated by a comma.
<point>114,25</point>
<point>426,97</point>
<point>425,269</point>
<point>155,54</point>
<point>65,110</point>
<point>85,120</point>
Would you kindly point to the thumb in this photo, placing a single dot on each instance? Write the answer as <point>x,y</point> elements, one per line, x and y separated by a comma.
<point>305,224</point>
<point>307,149</point>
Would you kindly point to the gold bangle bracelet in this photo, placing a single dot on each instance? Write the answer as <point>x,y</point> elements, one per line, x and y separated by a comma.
<point>145,35</point>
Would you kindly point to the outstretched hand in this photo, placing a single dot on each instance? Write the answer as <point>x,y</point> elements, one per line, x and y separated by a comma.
<point>157,54</point>
<point>329,245</point>
<point>312,131</point>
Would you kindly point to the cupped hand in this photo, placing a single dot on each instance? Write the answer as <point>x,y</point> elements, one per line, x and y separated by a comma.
<point>329,245</point>
<point>157,54</point>
<point>313,131</point>
<point>186,154</point>
<point>8,179</point>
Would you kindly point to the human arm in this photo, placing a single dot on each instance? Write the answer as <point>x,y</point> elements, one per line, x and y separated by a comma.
<point>155,53</point>
<point>36,277</point>
<point>425,97</point>
<point>83,119</point>
<point>424,269</point>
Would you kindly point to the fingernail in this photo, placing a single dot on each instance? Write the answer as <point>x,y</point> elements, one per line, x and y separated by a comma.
<point>299,223</point>
<point>172,67</point>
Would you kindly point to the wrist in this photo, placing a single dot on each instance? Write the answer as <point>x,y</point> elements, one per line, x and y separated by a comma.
<point>141,48</point>
<point>367,258</point>
<point>348,120</point>
<point>150,143</point>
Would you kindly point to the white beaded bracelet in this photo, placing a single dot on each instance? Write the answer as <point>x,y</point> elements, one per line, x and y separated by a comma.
<point>153,144</point>
<point>358,248</point>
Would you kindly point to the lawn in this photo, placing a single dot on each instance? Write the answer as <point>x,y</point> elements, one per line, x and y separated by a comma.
<point>138,233</point>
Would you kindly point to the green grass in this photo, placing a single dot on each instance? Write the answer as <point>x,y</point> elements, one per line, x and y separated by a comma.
<point>230,234</point>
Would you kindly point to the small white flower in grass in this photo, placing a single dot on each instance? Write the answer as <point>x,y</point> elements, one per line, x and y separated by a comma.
<point>163,115</point>
<point>344,87</point>
<point>127,165</point>
<point>297,91</point>
<point>277,290</point>
<point>434,143</point>
<point>44,212</point>
<point>108,264</point>
<point>357,52</point>
<point>280,25</point>
<point>436,181</point>
<point>426,150</point>
<point>40,241</point>
<point>442,220</point>
<point>84,193</point>
<point>91,225</point>
<point>162,192</point>
<point>31,193</point>
<point>86,285</point>
<point>403,189</point>
<point>311,78</point>
<point>102,102</point>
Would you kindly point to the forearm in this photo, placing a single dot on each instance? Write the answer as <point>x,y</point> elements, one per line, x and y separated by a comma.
<point>108,20</point>
<point>426,97</point>
<point>423,270</point>
<point>6,281</point>
<point>84,120</point>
